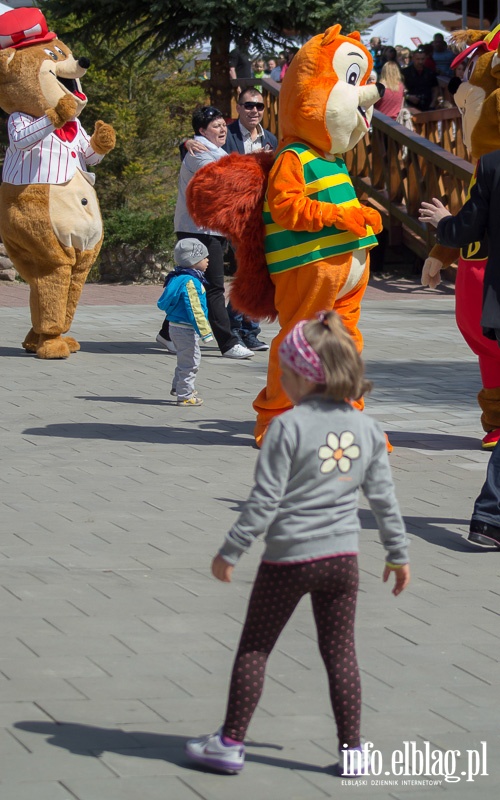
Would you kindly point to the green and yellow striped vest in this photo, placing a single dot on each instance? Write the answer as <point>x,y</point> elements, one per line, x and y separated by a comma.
<point>329,182</point>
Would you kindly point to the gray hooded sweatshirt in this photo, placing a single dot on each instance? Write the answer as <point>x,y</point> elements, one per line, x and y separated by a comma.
<point>314,460</point>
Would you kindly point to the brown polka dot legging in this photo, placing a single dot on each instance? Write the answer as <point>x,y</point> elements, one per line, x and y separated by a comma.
<point>332,584</point>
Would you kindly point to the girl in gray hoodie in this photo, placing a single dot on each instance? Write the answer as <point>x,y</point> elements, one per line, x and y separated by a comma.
<point>314,460</point>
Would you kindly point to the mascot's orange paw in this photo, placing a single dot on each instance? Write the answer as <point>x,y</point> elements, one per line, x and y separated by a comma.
<point>353,220</point>
<point>73,345</point>
<point>390,448</point>
<point>55,347</point>
<point>372,218</point>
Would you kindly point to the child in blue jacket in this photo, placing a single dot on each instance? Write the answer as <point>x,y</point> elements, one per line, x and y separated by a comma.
<point>185,305</point>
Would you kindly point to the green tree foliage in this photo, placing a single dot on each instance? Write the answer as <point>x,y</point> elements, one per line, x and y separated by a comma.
<point>149,103</point>
<point>157,27</point>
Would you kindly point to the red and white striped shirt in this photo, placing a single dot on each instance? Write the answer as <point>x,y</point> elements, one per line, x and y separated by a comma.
<point>36,154</point>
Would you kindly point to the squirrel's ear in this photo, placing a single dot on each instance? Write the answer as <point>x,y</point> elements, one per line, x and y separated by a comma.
<point>331,34</point>
<point>354,35</point>
<point>6,57</point>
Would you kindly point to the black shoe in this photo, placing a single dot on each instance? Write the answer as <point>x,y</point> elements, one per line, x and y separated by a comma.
<point>255,344</point>
<point>483,533</point>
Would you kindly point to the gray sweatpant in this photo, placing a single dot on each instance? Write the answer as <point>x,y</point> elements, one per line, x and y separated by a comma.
<point>188,360</point>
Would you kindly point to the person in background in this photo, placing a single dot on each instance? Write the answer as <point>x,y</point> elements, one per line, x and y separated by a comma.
<point>429,62</point>
<point>184,302</point>
<point>393,99</point>
<point>210,130</point>
<point>271,64</point>
<point>442,56</point>
<point>258,67</point>
<point>314,460</point>
<point>289,54</point>
<point>376,50</point>
<point>276,72</point>
<point>404,58</point>
<point>389,54</point>
<point>244,135</point>
<point>421,84</point>
<point>459,70</point>
<point>240,63</point>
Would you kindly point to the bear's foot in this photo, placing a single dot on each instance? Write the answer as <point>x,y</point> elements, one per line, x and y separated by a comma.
<point>73,345</point>
<point>52,347</point>
<point>30,343</point>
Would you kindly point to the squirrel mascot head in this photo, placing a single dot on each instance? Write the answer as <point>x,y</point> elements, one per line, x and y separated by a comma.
<point>324,97</point>
<point>478,96</point>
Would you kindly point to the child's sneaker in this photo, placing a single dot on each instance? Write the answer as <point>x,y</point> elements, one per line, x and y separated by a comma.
<point>212,752</point>
<point>194,400</point>
<point>173,392</point>
<point>353,762</point>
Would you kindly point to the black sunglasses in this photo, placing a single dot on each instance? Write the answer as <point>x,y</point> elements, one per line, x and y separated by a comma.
<point>252,104</point>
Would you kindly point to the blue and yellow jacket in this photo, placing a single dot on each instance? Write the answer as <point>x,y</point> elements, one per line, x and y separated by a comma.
<point>184,301</point>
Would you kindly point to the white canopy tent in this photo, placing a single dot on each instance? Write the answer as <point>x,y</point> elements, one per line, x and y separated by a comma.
<point>404,30</point>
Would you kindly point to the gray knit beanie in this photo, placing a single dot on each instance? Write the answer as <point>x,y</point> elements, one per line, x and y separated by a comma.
<point>189,252</point>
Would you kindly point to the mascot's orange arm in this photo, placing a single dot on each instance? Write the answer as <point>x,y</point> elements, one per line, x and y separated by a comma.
<point>293,210</point>
<point>287,200</point>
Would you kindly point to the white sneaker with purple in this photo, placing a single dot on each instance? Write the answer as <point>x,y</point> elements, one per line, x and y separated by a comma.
<point>212,752</point>
<point>354,761</point>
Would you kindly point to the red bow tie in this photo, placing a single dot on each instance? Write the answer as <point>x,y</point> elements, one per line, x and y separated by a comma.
<point>68,131</point>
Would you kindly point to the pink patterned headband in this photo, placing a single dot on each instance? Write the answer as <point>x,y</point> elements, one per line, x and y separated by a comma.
<point>297,353</point>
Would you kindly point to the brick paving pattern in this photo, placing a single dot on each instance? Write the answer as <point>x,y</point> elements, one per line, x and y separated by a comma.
<point>116,642</point>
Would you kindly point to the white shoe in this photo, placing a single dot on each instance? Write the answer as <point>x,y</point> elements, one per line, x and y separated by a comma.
<point>167,343</point>
<point>353,762</point>
<point>211,752</point>
<point>238,351</point>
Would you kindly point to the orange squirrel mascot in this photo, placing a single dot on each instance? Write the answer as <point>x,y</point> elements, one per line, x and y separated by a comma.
<point>301,237</point>
<point>478,99</point>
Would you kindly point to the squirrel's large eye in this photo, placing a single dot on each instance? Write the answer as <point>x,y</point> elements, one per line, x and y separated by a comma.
<point>352,74</point>
<point>50,53</point>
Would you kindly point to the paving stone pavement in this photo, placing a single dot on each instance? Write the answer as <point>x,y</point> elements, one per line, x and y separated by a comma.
<point>116,642</point>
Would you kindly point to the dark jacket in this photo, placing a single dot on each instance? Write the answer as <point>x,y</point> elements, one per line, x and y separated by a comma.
<point>479,219</point>
<point>234,141</point>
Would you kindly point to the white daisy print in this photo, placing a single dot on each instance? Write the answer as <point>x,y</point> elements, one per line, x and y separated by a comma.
<point>338,451</point>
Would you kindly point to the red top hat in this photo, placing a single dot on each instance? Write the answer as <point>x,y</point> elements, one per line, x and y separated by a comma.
<point>22,27</point>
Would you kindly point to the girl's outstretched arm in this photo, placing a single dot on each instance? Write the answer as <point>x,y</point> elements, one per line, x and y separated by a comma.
<point>401,575</point>
<point>222,570</point>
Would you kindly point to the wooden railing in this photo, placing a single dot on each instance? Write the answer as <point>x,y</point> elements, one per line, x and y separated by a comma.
<point>394,169</point>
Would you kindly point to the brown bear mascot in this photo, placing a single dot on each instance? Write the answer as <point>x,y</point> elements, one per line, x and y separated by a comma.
<point>50,221</point>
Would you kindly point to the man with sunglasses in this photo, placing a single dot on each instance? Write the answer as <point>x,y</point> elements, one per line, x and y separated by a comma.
<point>246,134</point>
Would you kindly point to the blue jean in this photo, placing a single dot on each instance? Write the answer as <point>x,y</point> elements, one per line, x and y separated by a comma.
<point>487,505</point>
<point>242,326</point>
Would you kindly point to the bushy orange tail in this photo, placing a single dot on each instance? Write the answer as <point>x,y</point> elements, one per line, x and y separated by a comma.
<point>228,196</point>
